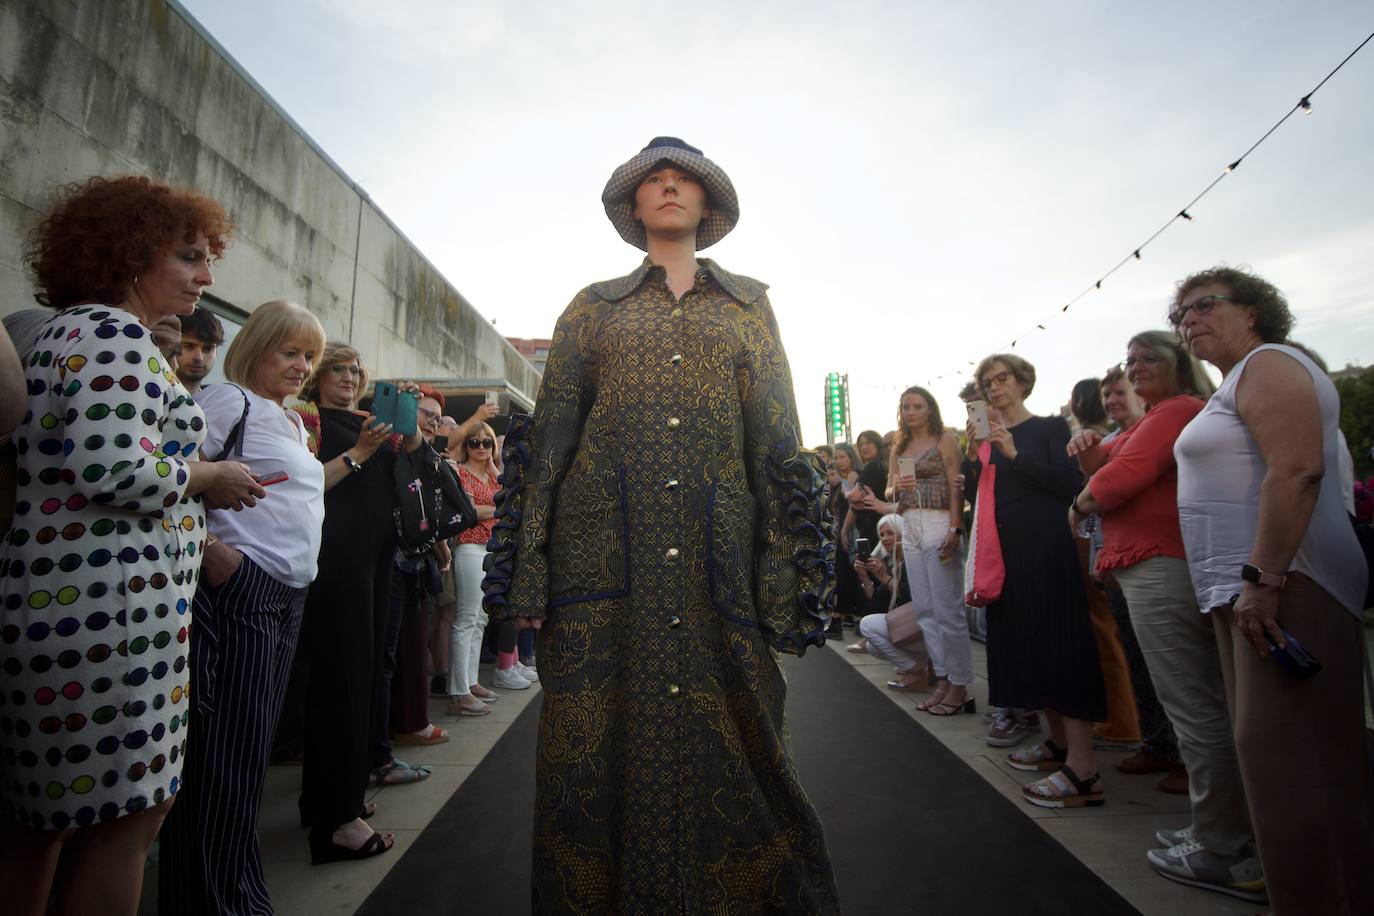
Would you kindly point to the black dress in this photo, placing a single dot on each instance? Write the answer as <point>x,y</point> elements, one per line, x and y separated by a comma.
<point>1041,650</point>
<point>873,476</point>
<point>849,597</point>
<point>347,603</point>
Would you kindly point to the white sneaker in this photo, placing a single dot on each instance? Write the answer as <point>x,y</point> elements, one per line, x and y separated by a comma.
<point>526,672</point>
<point>1193,864</point>
<point>509,679</point>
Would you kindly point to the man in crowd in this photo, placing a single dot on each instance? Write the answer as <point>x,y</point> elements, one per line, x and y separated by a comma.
<point>201,336</point>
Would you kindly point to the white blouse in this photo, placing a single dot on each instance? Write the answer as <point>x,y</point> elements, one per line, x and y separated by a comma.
<point>1219,474</point>
<point>281,534</point>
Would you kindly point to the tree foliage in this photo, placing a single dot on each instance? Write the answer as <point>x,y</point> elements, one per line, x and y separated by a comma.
<point>1357,418</point>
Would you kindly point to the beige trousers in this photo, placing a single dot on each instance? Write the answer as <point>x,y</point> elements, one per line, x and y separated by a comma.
<point>1303,756</point>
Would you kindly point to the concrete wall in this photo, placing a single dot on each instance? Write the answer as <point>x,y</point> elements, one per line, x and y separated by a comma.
<point>134,86</point>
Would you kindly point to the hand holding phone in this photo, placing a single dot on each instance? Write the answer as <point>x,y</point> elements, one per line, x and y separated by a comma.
<point>978,419</point>
<point>861,548</point>
<point>272,477</point>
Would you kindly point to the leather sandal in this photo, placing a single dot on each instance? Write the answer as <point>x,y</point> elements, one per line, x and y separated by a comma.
<point>324,850</point>
<point>1043,757</point>
<point>1063,789</point>
<point>414,739</point>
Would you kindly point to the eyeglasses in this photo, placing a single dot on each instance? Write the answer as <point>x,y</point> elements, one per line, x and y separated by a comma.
<point>431,416</point>
<point>481,443</point>
<point>344,368</point>
<point>1201,306</point>
<point>1149,359</point>
<point>1000,379</point>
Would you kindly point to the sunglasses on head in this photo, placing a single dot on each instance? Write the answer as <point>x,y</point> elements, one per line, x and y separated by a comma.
<point>481,443</point>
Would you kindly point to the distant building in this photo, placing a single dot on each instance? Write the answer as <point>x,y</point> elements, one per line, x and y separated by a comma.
<point>534,349</point>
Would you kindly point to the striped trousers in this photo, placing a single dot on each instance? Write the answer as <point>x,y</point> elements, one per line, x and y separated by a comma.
<point>243,638</point>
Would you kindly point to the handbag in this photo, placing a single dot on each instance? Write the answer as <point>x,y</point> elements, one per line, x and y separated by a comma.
<point>430,500</point>
<point>902,627</point>
<point>984,571</point>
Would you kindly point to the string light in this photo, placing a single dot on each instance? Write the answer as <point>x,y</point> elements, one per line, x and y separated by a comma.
<point>1304,105</point>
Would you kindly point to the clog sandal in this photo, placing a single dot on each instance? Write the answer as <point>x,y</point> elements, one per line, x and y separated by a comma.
<point>1043,757</point>
<point>1063,789</point>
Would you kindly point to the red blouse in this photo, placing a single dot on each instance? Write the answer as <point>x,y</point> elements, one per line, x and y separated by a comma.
<point>1138,487</point>
<point>482,494</point>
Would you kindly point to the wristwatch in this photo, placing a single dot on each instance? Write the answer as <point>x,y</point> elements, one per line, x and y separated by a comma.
<point>351,464</point>
<point>1252,573</point>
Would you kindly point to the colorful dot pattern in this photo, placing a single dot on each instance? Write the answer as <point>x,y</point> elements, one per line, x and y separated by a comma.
<point>97,576</point>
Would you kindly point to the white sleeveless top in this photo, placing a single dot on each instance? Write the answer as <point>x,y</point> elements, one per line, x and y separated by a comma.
<point>1219,475</point>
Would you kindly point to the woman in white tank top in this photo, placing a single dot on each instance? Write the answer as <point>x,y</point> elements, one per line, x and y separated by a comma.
<point>1274,559</point>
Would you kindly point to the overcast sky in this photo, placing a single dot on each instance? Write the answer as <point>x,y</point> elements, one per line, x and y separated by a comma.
<point>919,182</point>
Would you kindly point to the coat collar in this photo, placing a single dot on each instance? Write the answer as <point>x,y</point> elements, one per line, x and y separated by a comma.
<point>744,290</point>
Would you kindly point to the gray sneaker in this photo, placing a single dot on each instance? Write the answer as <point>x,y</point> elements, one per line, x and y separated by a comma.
<point>1192,864</point>
<point>1171,838</point>
<point>1006,730</point>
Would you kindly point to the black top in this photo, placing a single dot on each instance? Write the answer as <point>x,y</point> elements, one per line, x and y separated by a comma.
<point>873,476</point>
<point>357,509</point>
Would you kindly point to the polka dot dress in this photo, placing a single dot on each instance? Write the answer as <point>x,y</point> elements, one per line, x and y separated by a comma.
<point>96,577</point>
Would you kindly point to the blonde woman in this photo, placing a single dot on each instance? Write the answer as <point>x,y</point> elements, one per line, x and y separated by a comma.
<point>247,613</point>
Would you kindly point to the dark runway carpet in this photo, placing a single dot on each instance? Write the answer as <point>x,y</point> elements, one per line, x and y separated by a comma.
<point>887,791</point>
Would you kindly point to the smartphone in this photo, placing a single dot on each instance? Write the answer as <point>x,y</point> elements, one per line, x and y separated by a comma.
<point>1293,658</point>
<point>399,408</point>
<point>862,548</point>
<point>494,397</point>
<point>441,444</point>
<point>906,467</point>
<point>978,413</point>
<point>271,477</point>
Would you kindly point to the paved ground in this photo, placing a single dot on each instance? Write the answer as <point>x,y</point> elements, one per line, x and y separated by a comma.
<point>1110,840</point>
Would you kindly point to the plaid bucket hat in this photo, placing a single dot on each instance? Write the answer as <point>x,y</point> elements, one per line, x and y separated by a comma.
<point>618,197</point>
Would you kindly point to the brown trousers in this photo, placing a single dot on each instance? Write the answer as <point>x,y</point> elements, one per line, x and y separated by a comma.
<point>1123,720</point>
<point>1303,757</point>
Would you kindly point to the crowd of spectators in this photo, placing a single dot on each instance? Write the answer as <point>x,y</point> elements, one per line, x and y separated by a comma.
<point>201,579</point>
<point>1171,569</point>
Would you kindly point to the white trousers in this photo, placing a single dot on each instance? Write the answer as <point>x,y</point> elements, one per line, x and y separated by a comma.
<point>873,628</point>
<point>469,620</point>
<point>937,593</point>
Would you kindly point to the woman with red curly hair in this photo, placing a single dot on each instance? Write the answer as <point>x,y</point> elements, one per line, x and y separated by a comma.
<point>101,563</point>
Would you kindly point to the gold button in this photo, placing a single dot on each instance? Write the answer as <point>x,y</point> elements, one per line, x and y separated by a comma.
<point>671,553</point>
<point>677,358</point>
<point>670,485</point>
<point>677,313</point>
<point>674,690</point>
<point>674,621</point>
<point>674,422</point>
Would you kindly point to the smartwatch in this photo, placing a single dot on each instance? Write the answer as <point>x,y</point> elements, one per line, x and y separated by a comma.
<point>1251,573</point>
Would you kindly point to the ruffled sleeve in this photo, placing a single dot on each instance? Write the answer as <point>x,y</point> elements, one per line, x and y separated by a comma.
<point>794,546</point>
<point>535,458</point>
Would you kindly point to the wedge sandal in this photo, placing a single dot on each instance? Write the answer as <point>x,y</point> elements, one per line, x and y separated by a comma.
<point>1044,757</point>
<point>1063,789</point>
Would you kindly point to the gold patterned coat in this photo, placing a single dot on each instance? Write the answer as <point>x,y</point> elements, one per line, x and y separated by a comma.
<point>659,514</point>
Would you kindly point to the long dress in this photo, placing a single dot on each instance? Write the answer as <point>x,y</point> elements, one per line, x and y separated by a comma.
<point>662,518</point>
<point>99,570</point>
<point>1041,650</point>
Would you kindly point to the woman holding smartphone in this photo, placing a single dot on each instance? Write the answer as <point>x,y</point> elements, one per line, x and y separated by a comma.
<point>843,476</point>
<point>927,491</point>
<point>660,515</point>
<point>1276,565</point>
<point>1041,650</point>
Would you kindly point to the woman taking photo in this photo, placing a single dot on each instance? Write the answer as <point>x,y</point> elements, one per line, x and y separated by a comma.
<point>660,515</point>
<point>346,606</point>
<point>104,545</point>
<point>1134,489</point>
<point>1274,562</point>
<point>1041,649</point>
<point>883,580</point>
<point>924,482</point>
<point>247,612</point>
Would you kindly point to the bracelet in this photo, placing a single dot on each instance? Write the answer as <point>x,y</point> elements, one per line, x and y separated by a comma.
<point>350,463</point>
<point>1077,509</point>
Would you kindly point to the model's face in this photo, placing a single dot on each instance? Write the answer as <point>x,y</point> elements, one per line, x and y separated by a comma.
<point>282,372</point>
<point>1150,374</point>
<point>867,450</point>
<point>888,537</point>
<point>172,284</point>
<point>339,383</point>
<point>197,359</point>
<point>670,203</point>
<point>915,413</point>
<point>1001,387</point>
